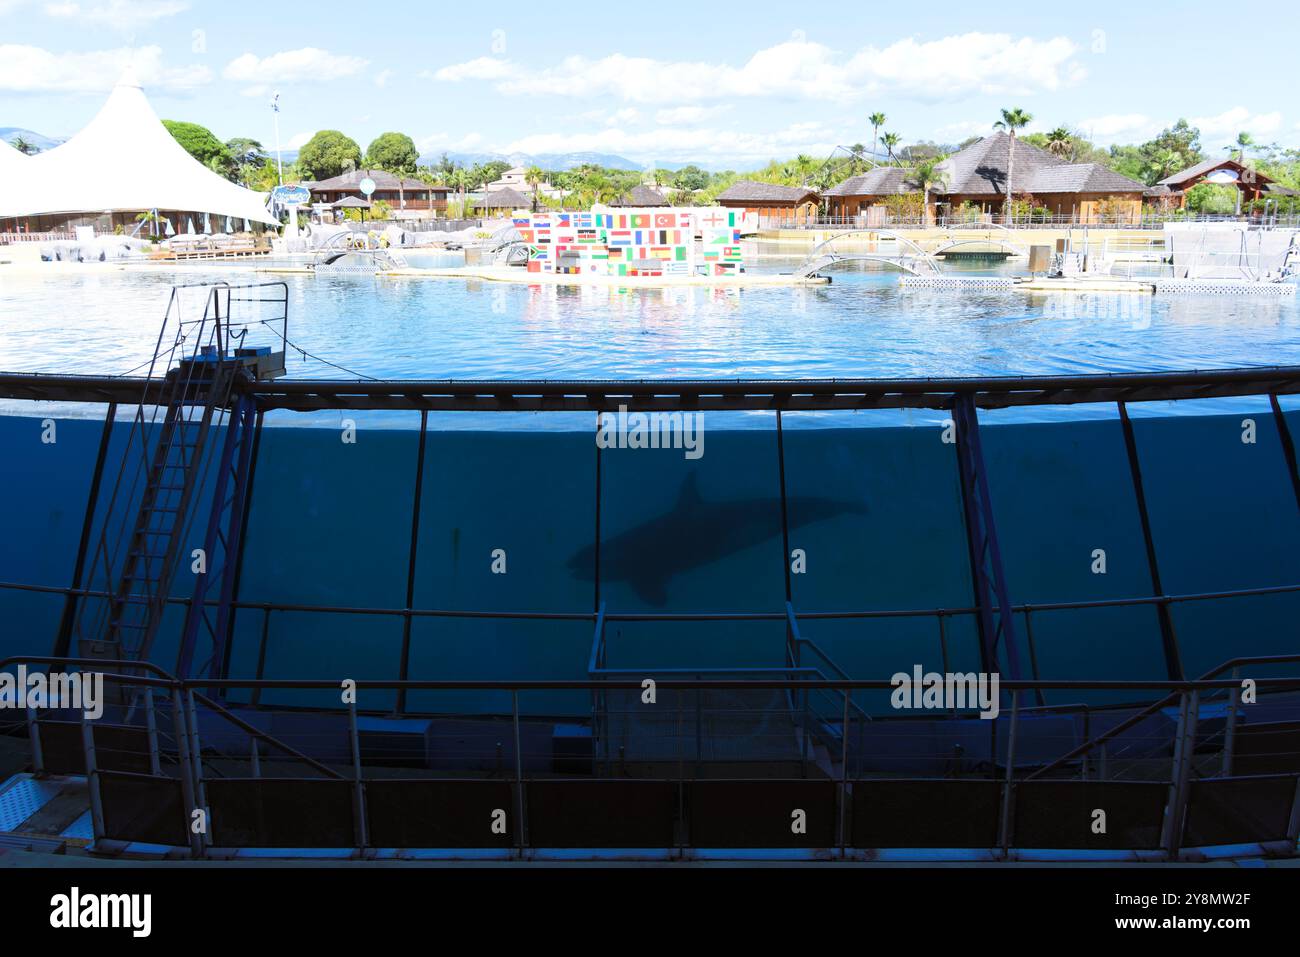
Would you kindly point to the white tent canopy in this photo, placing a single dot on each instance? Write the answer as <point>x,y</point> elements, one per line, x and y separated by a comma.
<point>124,159</point>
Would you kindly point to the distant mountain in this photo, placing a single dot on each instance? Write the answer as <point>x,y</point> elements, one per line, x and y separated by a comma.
<point>11,133</point>
<point>549,161</point>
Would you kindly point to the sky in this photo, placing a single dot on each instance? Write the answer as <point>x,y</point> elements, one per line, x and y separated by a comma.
<point>669,83</point>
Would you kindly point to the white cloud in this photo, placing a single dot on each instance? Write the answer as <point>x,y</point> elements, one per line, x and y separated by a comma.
<point>679,143</point>
<point>1121,128</point>
<point>308,65</point>
<point>1229,123</point>
<point>688,115</point>
<point>298,141</point>
<point>624,116</point>
<point>482,68</point>
<point>963,129</point>
<point>29,69</point>
<point>950,68</point>
<point>119,14</point>
<point>439,142</point>
<point>382,77</point>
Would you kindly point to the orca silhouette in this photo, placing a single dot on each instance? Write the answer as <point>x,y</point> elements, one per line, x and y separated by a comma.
<point>696,532</point>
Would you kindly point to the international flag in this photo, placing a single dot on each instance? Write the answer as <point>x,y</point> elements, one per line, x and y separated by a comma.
<point>640,219</point>
<point>665,220</point>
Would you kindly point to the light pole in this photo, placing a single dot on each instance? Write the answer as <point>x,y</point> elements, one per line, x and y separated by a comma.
<point>279,162</point>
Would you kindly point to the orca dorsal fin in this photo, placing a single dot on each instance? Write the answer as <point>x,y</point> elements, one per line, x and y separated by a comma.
<point>688,496</point>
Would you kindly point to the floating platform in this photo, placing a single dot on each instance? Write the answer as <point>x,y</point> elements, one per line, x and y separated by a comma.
<point>1168,286</point>
<point>513,274</point>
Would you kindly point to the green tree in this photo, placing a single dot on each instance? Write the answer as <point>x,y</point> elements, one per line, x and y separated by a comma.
<point>534,176</point>
<point>329,153</point>
<point>1059,142</point>
<point>199,142</point>
<point>877,120</point>
<point>1011,121</point>
<point>691,178</point>
<point>890,140</point>
<point>26,147</point>
<point>394,153</point>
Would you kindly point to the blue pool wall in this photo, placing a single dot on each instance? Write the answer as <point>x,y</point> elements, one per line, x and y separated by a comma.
<point>876,509</point>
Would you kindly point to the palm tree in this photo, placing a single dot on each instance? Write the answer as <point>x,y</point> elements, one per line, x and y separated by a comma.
<point>1011,121</point>
<point>26,147</point>
<point>890,140</point>
<point>1059,142</point>
<point>928,175</point>
<point>533,177</point>
<point>877,120</point>
<point>1244,141</point>
<point>1164,163</point>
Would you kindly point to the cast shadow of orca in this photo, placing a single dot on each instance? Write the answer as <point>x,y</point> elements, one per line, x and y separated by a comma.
<point>696,532</point>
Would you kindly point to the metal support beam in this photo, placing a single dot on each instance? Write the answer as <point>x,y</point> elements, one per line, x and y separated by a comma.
<point>63,639</point>
<point>994,615</point>
<point>1288,446</point>
<point>1168,639</point>
<point>404,667</point>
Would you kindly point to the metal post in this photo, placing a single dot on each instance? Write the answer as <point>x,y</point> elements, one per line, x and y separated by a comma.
<point>844,774</point>
<point>405,665</point>
<point>151,727</point>
<point>1230,729</point>
<point>358,788</point>
<point>1008,784</point>
<point>1288,445</point>
<point>190,804</point>
<point>1189,705</point>
<point>1033,656</point>
<point>1173,658</point>
<point>196,756</point>
<point>34,734</point>
<point>92,777</point>
<point>1293,823</point>
<point>255,758</point>
<point>520,835</point>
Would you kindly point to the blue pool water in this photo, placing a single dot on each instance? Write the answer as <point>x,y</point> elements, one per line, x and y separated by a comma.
<point>862,325</point>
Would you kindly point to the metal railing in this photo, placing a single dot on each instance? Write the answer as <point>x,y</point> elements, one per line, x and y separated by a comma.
<point>197,763</point>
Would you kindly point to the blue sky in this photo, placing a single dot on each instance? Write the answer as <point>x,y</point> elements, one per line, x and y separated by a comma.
<point>671,83</point>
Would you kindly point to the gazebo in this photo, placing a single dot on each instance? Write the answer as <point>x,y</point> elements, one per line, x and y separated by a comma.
<point>352,202</point>
<point>1251,183</point>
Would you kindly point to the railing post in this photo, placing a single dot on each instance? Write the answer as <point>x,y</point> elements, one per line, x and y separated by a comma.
<point>92,777</point>
<point>1008,784</point>
<point>196,761</point>
<point>1189,704</point>
<point>1293,823</point>
<point>521,837</point>
<point>151,726</point>
<point>359,828</point>
<point>187,773</point>
<point>255,758</point>
<point>1230,728</point>
<point>34,734</point>
<point>844,774</point>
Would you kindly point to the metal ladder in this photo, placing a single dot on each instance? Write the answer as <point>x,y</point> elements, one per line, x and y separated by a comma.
<point>168,457</point>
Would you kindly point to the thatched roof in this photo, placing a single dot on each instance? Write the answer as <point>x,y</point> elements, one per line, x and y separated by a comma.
<point>641,196</point>
<point>350,182</point>
<point>981,168</point>
<point>881,181</point>
<point>506,198</point>
<point>1078,178</point>
<point>747,191</point>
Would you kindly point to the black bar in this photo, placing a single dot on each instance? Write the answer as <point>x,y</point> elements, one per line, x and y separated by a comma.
<point>695,394</point>
<point>1288,446</point>
<point>1173,657</point>
<point>405,666</point>
<point>63,640</point>
<point>785,519</point>
<point>595,572</point>
<point>243,545</point>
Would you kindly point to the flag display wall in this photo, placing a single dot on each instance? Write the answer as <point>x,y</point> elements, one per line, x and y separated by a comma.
<point>633,242</point>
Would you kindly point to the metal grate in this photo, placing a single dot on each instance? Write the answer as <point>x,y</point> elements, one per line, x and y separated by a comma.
<point>23,797</point>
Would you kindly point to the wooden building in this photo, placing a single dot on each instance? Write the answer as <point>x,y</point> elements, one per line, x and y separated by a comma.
<point>772,205</point>
<point>414,197</point>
